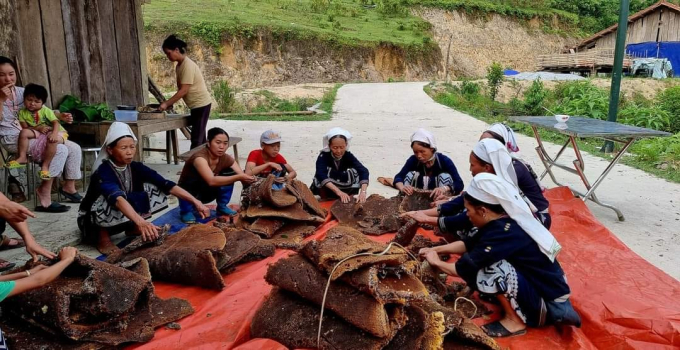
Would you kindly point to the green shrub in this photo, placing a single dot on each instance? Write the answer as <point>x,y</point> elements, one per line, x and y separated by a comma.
<point>534,98</point>
<point>320,6</point>
<point>494,78</point>
<point>581,98</point>
<point>646,117</point>
<point>469,88</point>
<point>661,148</point>
<point>393,8</point>
<point>669,100</point>
<point>224,95</point>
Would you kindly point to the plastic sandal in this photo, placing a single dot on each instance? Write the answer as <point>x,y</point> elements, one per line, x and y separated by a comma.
<point>45,175</point>
<point>13,164</point>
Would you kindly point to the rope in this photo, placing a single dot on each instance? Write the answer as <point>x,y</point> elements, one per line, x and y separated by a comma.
<point>328,284</point>
<point>455,306</point>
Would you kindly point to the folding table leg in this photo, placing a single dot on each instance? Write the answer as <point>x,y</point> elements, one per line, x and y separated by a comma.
<point>175,145</point>
<point>168,151</point>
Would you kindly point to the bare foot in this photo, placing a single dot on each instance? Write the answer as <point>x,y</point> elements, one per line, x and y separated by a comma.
<point>22,160</point>
<point>105,246</point>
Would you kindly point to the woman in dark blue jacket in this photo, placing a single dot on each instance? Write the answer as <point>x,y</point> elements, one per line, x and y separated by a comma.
<point>123,193</point>
<point>339,174</point>
<point>428,169</point>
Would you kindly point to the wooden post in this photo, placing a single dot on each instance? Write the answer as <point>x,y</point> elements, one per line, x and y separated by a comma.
<point>446,66</point>
<point>55,48</point>
<point>109,53</point>
<point>32,64</point>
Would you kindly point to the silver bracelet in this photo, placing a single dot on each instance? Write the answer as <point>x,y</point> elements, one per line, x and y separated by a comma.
<point>28,273</point>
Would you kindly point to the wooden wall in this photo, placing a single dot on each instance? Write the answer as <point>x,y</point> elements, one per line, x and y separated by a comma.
<point>93,49</point>
<point>663,22</point>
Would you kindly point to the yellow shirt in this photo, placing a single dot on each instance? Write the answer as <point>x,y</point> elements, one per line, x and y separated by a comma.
<point>189,73</point>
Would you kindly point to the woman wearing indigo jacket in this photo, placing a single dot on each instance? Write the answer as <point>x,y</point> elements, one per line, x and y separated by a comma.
<point>123,193</point>
<point>339,174</point>
<point>428,169</point>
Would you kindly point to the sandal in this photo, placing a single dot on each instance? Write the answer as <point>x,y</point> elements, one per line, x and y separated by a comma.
<point>6,265</point>
<point>44,175</point>
<point>73,197</point>
<point>13,164</point>
<point>497,330</point>
<point>53,208</point>
<point>5,244</point>
<point>387,181</point>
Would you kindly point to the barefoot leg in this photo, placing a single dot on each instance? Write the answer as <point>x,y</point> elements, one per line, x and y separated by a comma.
<point>104,245</point>
<point>50,151</point>
<point>24,136</point>
<point>511,321</point>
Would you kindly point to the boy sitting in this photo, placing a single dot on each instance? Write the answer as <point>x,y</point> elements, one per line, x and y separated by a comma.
<point>268,160</point>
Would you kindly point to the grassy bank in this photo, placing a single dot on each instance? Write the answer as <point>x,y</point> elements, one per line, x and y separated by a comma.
<point>658,156</point>
<point>271,103</point>
<point>346,22</point>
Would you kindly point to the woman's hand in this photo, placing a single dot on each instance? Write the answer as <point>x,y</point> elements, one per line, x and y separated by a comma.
<point>34,249</point>
<point>202,209</point>
<point>423,251</point>
<point>163,106</point>
<point>14,212</point>
<point>247,178</point>
<point>5,92</point>
<point>68,253</point>
<point>148,231</point>
<point>419,216</point>
<point>344,197</point>
<point>432,257</point>
<point>439,202</point>
<point>408,190</point>
<point>439,193</point>
<point>361,198</point>
<point>65,117</point>
<point>42,129</point>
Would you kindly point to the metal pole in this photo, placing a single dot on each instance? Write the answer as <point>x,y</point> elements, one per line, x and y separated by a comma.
<point>617,71</point>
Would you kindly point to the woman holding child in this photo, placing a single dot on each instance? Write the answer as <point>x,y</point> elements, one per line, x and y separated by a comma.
<point>66,158</point>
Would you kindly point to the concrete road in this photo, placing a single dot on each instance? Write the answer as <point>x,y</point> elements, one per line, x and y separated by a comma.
<point>382,117</point>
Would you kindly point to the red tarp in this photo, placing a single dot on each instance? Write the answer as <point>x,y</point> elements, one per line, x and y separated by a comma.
<point>624,301</point>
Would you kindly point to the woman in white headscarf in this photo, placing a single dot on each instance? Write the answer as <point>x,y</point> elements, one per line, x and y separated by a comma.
<point>504,134</point>
<point>124,193</point>
<point>428,169</point>
<point>512,256</point>
<point>339,174</point>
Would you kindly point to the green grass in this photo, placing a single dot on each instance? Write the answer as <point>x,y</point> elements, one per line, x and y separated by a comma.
<point>481,107</point>
<point>280,105</point>
<point>344,22</point>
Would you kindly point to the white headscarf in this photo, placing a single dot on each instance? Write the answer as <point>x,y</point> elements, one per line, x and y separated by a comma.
<point>422,135</point>
<point>116,131</point>
<point>335,132</point>
<point>494,153</point>
<point>507,134</point>
<point>491,189</point>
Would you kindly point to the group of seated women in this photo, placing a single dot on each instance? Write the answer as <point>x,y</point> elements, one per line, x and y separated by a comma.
<point>498,225</point>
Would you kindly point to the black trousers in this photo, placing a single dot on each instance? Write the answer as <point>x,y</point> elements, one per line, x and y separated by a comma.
<point>199,120</point>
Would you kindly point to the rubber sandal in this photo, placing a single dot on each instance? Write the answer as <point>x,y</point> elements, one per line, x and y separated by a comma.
<point>4,245</point>
<point>389,182</point>
<point>6,265</point>
<point>225,210</point>
<point>73,197</point>
<point>188,218</point>
<point>44,175</point>
<point>13,164</point>
<point>53,208</point>
<point>497,330</point>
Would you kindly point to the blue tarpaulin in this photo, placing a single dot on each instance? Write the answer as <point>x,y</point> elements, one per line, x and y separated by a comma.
<point>669,50</point>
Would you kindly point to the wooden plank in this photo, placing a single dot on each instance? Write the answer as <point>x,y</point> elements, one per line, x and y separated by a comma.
<point>94,49</point>
<point>109,53</point>
<point>142,52</point>
<point>73,20</point>
<point>674,27</point>
<point>128,52</point>
<point>32,63</point>
<point>55,45</point>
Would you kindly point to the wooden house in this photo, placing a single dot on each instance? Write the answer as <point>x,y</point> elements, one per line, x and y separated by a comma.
<point>93,49</point>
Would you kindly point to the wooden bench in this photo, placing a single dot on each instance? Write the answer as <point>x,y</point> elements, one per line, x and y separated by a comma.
<point>233,142</point>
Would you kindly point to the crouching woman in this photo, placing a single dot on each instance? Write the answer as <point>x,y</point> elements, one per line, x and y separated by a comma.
<point>511,257</point>
<point>123,194</point>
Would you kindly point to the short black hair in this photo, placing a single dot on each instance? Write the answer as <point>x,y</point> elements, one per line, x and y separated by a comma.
<point>496,208</point>
<point>481,160</point>
<point>496,137</point>
<point>6,60</point>
<point>422,144</point>
<point>216,131</point>
<point>173,42</point>
<point>115,142</point>
<point>36,90</point>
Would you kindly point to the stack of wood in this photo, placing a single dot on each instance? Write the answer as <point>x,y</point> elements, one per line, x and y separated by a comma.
<point>283,217</point>
<point>586,60</point>
<point>92,305</point>
<point>373,301</point>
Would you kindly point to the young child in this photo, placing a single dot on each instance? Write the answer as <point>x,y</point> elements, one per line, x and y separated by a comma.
<point>38,122</point>
<point>268,160</point>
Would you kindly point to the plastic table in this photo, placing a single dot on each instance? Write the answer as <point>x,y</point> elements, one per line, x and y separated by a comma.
<point>581,127</point>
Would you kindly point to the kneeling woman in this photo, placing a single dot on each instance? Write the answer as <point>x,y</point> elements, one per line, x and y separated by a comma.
<point>123,193</point>
<point>339,174</point>
<point>428,169</point>
<point>209,175</point>
<point>512,256</point>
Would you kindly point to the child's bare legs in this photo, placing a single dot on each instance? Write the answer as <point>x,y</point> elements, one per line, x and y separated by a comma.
<point>24,136</point>
<point>50,151</point>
